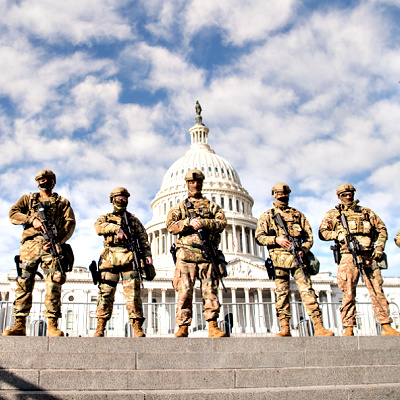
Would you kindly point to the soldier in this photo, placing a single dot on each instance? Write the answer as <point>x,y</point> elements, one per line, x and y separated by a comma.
<point>269,234</point>
<point>35,250</point>
<point>191,262</point>
<point>369,230</point>
<point>116,259</point>
<point>397,239</point>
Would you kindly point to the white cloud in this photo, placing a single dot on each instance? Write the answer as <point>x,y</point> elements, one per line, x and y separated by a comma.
<point>78,21</point>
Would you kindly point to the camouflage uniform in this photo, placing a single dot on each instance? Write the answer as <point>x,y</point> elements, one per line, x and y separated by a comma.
<point>397,239</point>
<point>283,261</point>
<point>116,259</point>
<point>190,260</point>
<point>32,253</point>
<point>368,229</point>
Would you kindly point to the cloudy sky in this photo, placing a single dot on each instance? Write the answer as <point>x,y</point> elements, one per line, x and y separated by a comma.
<point>103,93</point>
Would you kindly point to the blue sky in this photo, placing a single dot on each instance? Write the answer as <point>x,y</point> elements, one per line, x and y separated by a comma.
<point>103,93</point>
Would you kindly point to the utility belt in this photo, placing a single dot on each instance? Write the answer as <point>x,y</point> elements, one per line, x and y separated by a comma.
<point>126,274</point>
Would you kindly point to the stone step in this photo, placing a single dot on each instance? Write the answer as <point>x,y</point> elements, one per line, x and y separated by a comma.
<point>350,392</point>
<point>197,379</point>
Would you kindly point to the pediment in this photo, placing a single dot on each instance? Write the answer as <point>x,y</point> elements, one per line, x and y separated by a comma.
<point>239,268</point>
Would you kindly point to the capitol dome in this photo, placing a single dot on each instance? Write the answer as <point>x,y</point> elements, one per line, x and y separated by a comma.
<point>221,185</point>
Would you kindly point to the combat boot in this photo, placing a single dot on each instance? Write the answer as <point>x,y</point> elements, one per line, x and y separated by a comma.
<point>19,328</point>
<point>213,330</point>
<point>285,328</point>
<point>52,329</point>
<point>387,330</point>
<point>137,328</point>
<point>101,326</point>
<point>319,329</point>
<point>348,331</point>
<point>183,331</point>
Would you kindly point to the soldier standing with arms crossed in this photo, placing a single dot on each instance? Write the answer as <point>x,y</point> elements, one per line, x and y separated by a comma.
<point>270,234</point>
<point>35,250</point>
<point>368,230</point>
<point>117,259</point>
<point>191,262</point>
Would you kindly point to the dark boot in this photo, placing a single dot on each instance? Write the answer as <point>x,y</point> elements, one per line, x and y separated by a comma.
<point>19,328</point>
<point>101,326</point>
<point>285,328</point>
<point>137,328</point>
<point>213,329</point>
<point>52,329</point>
<point>183,331</point>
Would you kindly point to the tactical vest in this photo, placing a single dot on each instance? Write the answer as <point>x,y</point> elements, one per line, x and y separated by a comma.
<point>358,221</point>
<point>111,239</point>
<point>52,209</point>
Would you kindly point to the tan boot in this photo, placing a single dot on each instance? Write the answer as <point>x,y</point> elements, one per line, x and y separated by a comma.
<point>19,328</point>
<point>387,330</point>
<point>183,331</point>
<point>213,330</point>
<point>101,326</point>
<point>285,328</point>
<point>137,328</point>
<point>319,330</point>
<point>348,331</point>
<point>52,329</point>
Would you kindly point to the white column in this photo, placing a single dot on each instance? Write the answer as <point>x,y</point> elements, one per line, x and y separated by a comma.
<point>163,318</point>
<point>230,241</point>
<point>261,313</point>
<point>251,240</point>
<point>236,324</point>
<point>223,241</point>
<point>150,327</point>
<point>249,328</point>
<point>275,323</point>
<point>331,322</point>
<point>234,239</point>
<point>294,309</point>
<point>243,240</point>
<point>194,312</point>
<point>222,308</point>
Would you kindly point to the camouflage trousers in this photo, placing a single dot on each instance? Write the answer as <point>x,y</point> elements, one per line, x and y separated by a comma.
<point>31,255</point>
<point>184,280</point>
<point>282,282</point>
<point>347,279</point>
<point>108,286</point>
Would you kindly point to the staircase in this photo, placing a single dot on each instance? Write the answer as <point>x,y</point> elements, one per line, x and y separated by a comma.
<point>347,368</point>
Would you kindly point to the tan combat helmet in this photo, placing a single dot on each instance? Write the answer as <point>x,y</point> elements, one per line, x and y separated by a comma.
<point>280,187</point>
<point>119,191</point>
<point>45,173</point>
<point>194,175</point>
<point>345,187</point>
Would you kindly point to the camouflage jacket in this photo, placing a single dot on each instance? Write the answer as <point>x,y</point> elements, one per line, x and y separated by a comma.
<point>397,239</point>
<point>108,226</point>
<point>296,223</point>
<point>211,216</point>
<point>60,213</point>
<point>363,223</point>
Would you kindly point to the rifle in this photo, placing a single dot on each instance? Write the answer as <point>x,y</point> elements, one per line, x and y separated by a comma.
<point>49,233</point>
<point>352,245</point>
<point>295,246</point>
<point>133,245</point>
<point>211,253</point>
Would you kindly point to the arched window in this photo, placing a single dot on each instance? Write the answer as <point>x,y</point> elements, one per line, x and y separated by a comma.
<point>222,202</point>
<point>70,320</point>
<point>237,205</point>
<point>230,205</point>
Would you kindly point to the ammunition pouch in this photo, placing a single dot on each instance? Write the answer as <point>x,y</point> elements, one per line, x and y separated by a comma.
<point>313,264</point>
<point>381,264</point>
<point>149,272</point>
<point>67,261</point>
